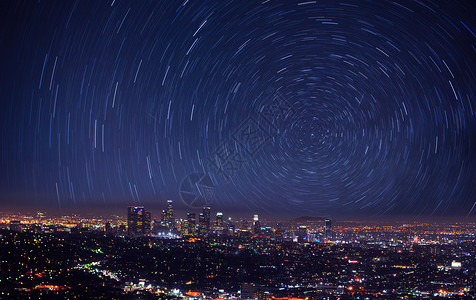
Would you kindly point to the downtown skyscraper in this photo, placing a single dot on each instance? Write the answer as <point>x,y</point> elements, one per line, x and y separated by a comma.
<point>138,221</point>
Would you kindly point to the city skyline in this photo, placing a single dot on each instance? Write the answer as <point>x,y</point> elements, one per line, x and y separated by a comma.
<point>138,222</point>
<point>181,212</point>
<point>157,212</point>
<point>250,258</point>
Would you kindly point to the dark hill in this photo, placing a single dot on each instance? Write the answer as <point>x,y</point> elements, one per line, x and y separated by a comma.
<point>307,220</point>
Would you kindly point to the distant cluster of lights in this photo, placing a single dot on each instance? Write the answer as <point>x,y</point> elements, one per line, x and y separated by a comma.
<point>166,235</point>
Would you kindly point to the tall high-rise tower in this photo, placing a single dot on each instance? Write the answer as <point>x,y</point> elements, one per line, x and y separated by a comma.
<point>279,232</point>
<point>328,229</point>
<point>138,221</point>
<point>219,224</point>
<point>169,215</point>
<point>206,217</point>
<point>204,221</point>
<point>170,209</point>
<point>163,218</point>
<point>230,227</point>
<point>256,225</point>
<point>191,223</point>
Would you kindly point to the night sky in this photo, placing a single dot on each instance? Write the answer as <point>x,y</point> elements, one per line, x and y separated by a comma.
<point>312,107</point>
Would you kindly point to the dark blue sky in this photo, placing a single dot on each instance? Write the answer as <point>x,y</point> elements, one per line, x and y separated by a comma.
<point>312,107</point>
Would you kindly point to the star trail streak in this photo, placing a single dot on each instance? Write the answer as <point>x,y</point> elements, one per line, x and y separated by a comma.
<point>107,103</point>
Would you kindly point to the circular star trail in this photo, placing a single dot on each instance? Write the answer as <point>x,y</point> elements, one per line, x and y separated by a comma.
<point>313,107</point>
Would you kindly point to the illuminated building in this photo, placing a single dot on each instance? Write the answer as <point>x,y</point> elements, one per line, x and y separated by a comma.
<point>191,223</point>
<point>163,218</point>
<point>169,215</point>
<point>279,232</point>
<point>206,214</point>
<point>138,221</point>
<point>204,221</point>
<point>256,225</point>
<point>328,229</point>
<point>219,223</point>
<point>247,291</point>
<point>455,265</point>
<point>170,209</point>
<point>231,227</point>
